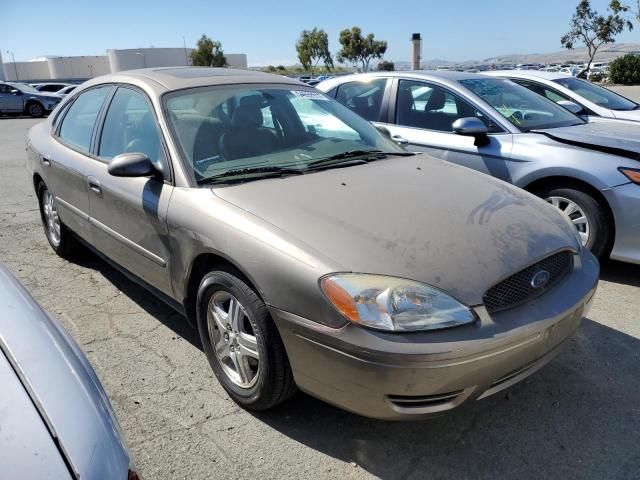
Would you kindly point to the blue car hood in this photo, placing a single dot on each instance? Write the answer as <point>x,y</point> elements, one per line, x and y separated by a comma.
<point>61,385</point>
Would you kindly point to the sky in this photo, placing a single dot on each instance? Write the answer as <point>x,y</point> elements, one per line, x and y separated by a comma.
<point>454,30</point>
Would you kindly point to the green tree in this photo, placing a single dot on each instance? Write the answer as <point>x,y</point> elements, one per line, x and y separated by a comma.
<point>386,66</point>
<point>358,49</point>
<point>593,30</point>
<point>313,47</point>
<point>208,53</point>
<point>281,68</point>
<point>271,68</point>
<point>632,12</point>
<point>625,70</point>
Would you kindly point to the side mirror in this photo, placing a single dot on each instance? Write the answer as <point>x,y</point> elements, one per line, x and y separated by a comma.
<point>472,127</point>
<point>131,165</point>
<point>16,92</point>
<point>571,106</point>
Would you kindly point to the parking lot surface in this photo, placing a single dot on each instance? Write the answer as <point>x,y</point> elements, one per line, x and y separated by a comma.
<point>579,417</point>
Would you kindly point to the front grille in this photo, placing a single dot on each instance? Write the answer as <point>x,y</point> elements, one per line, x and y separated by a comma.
<point>518,288</point>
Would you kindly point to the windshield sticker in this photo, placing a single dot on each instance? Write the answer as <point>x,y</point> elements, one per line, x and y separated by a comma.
<point>310,95</point>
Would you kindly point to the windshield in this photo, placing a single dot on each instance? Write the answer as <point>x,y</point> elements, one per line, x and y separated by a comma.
<point>596,94</point>
<point>522,107</point>
<point>227,129</point>
<point>23,87</point>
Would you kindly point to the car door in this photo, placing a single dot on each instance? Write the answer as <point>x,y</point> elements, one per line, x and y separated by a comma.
<point>422,113</point>
<point>128,214</point>
<point>66,160</point>
<point>10,99</point>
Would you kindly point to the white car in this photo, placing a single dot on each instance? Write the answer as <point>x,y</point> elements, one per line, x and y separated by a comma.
<point>594,100</point>
<point>63,92</point>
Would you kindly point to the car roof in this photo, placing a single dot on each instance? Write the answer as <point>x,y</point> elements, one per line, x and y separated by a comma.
<point>175,78</point>
<point>528,74</point>
<point>445,76</point>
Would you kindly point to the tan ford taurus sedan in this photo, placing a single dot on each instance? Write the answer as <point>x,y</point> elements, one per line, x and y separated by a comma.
<point>309,249</point>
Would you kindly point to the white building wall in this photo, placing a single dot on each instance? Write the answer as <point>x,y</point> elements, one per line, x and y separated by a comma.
<point>3,76</point>
<point>78,67</point>
<point>27,71</point>
<point>130,59</point>
<point>236,60</point>
<point>84,67</point>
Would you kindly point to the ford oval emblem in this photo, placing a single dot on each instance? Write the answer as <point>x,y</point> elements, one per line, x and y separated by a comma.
<point>540,279</point>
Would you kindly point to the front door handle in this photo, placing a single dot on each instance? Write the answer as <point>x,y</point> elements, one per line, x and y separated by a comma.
<point>400,140</point>
<point>94,184</point>
<point>46,161</point>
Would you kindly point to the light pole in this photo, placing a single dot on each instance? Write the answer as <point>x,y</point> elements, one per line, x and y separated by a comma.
<point>14,64</point>
<point>144,58</point>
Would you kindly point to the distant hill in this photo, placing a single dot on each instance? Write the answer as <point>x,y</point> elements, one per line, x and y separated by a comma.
<point>577,55</point>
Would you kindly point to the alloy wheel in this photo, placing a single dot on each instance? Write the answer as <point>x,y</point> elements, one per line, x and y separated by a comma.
<point>576,214</point>
<point>35,110</point>
<point>233,339</point>
<point>52,220</point>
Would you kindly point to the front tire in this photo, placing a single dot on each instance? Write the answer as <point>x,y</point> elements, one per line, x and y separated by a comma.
<point>590,217</point>
<point>35,110</point>
<point>241,342</point>
<point>58,236</point>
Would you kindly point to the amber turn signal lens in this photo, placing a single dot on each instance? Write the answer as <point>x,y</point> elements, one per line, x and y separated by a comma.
<point>631,173</point>
<point>340,298</point>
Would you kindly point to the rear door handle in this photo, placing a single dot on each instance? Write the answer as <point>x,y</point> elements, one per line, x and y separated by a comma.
<point>94,184</point>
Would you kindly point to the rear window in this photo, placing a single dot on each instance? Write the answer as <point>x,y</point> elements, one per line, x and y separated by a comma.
<point>77,124</point>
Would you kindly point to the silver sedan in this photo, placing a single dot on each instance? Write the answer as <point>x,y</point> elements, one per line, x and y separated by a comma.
<point>307,248</point>
<point>56,419</point>
<point>590,170</point>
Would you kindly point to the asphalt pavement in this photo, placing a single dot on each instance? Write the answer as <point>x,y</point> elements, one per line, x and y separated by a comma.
<point>579,417</point>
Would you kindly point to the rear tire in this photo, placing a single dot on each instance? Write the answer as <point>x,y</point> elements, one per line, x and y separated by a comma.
<point>592,219</point>
<point>35,110</point>
<point>58,235</point>
<point>247,355</point>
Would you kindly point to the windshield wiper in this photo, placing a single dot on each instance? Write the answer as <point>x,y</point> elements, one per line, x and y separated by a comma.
<point>353,157</point>
<point>267,171</point>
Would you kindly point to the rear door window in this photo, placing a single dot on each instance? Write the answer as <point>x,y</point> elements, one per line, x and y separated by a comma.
<point>79,122</point>
<point>364,98</point>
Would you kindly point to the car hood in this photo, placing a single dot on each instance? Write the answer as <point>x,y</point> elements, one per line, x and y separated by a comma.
<point>25,439</point>
<point>43,95</point>
<point>627,114</point>
<point>414,217</point>
<point>61,384</point>
<point>614,137</point>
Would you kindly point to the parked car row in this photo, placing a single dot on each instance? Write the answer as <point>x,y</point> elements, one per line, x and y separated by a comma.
<point>313,252</point>
<point>588,169</point>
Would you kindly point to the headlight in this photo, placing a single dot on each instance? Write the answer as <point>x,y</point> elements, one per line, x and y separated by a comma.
<point>391,303</point>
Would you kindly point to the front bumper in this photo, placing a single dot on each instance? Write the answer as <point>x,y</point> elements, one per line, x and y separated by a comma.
<point>413,375</point>
<point>624,201</point>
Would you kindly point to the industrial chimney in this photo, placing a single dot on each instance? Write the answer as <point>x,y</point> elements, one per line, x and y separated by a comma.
<point>416,41</point>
